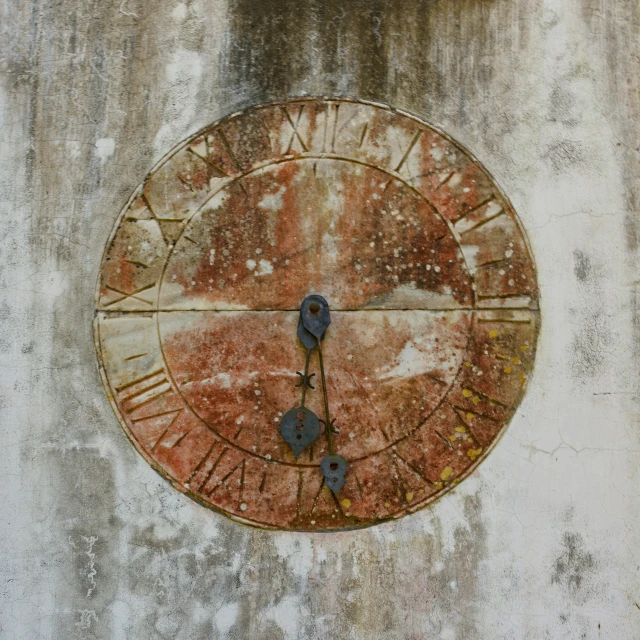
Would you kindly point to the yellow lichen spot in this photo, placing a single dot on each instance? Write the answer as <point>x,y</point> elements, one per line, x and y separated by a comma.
<point>474,453</point>
<point>455,482</point>
<point>346,503</point>
<point>409,497</point>
<point>421,491</point>
<point>476,400</point>
<point>466,393</point>
<point>493,334</point>
<point>469,416</point>
<point>523,347</point>
<point>507,369</point>
<point>387,504</point>
<point>516,360</point>
<point>467,364</point>
<point>438,485</point>
<point>461,430</point>
<point>446,473</point>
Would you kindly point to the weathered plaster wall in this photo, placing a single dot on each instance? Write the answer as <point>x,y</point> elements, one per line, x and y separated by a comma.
<point>542,542</point>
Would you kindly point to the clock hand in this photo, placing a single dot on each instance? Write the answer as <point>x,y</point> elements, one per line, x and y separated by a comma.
<point>309,342</point>
<point>300,426</point>
<point>315,317</point>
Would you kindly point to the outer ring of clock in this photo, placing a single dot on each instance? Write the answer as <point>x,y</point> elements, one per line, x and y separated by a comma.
<point>509,315</point>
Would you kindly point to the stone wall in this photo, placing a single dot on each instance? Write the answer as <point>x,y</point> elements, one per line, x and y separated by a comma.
<point>541,541</point>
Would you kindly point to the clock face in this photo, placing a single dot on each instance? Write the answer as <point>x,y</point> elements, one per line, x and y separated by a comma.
<point>433,298</point>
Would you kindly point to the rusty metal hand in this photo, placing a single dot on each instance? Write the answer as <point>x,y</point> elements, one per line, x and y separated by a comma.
<point>299,426</point>
<point>315,318</point>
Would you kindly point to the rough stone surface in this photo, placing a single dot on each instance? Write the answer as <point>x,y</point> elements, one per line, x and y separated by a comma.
<point>541,541</point>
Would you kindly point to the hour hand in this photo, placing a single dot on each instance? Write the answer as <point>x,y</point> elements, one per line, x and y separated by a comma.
<point>308,339</point>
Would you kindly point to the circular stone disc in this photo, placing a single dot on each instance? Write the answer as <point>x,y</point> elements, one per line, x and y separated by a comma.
<point>433,297</point>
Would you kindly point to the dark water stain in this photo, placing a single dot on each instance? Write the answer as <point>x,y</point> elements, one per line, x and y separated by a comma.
<point>562,155</point>
<point>613,28</point>
<point>591,326</point>
<point>575,565</point>
<point>424,55</point>
<point>86,547</point>
<point>563,106</point>
<point>582,265</point>
<point>591,338</point>
<point>405,586</point>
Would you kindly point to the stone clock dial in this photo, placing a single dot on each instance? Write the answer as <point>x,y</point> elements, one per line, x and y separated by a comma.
<point>433,297</point>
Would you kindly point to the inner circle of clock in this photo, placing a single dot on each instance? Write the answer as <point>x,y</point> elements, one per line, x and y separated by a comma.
<point>398,285</point>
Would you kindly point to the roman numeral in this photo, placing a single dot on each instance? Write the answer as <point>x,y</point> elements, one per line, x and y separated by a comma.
<point>212,455</point>
<point>363,135</point>
<point>330,130</point>
<point>229,150</point>
<point>206,158</point>
<point>140,392</point>
<point>132,295</point>
<point>478,216</point>
<point>174,414</point>
<point>461,411</point>
<point>241,465</point>
<point>170,228</point>
<point>295,134</point>
<point>446,179</point>
<point>479,394</point>
<point>206,154</point>
<point>506,301</point>
<point>309,491</point>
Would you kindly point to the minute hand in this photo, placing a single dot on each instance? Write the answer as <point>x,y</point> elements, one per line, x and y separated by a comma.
<point>315,316</point>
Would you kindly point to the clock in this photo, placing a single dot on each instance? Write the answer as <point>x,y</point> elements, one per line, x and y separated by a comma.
<point>428,281</point>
